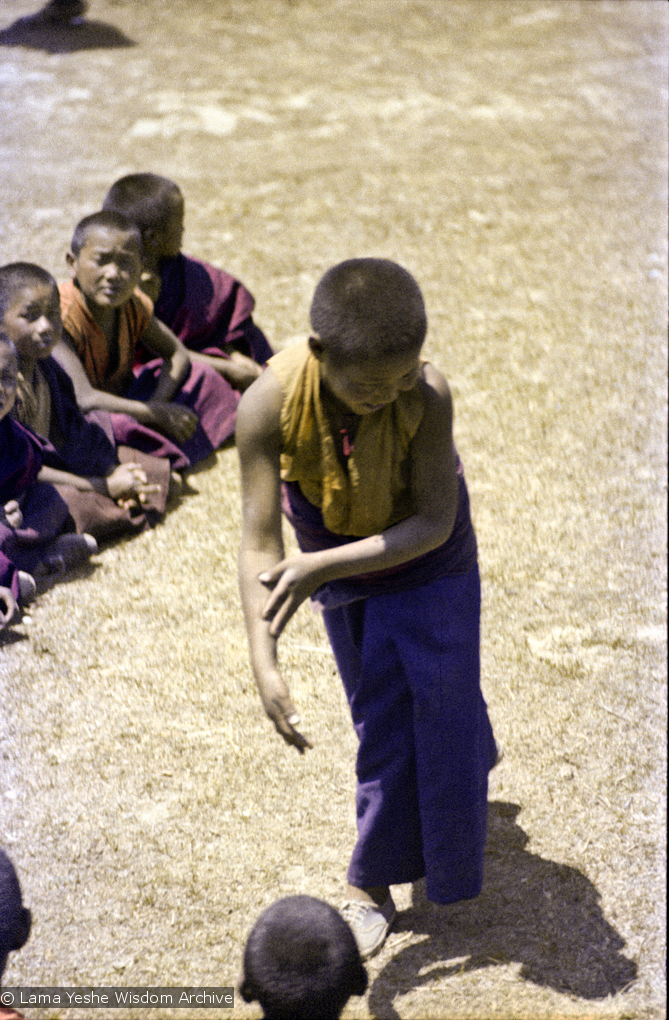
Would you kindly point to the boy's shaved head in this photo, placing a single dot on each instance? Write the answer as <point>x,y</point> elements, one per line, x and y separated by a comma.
<point>14,917</point>
<point>106,220</point>
<point>15,276</point>
<point>301,961</point>
<point>368,308</point>
<point>144,198</point>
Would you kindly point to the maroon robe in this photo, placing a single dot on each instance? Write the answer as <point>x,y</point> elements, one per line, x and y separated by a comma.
<point>84,448</point>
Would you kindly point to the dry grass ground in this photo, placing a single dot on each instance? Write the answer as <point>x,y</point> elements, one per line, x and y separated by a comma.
<point>513,156</point>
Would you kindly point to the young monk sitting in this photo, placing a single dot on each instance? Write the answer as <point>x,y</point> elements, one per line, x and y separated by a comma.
<point>32,513</point>
<point>105,497</point>
<point>171,408</point>
<point>209,310</point>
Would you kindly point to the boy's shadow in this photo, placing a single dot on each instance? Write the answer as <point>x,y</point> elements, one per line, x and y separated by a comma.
<point>543,915</point>
<point>84,35</point>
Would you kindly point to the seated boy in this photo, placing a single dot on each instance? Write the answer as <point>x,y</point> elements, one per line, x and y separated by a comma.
<point>105,497</point>
<point>15,922</point>
<point>33,516</point>
<point>171,408</point>
<point>301,961</point>
<point>352,434</point>
<point>209,310</point>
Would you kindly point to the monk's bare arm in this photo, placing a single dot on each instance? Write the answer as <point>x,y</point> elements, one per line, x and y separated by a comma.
<point>171,419</point>
<point>435,493</point>
<point>258,439</point>
<point>237,369</point>
<point>176,361</point>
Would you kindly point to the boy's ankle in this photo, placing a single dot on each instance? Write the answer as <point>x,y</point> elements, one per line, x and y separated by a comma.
<point>377,894</point>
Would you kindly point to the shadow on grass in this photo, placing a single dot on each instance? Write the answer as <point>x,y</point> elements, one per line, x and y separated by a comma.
<point>85,35</point>
<point>11,637</point>
<point>45,582</point>
<point>543,915</point>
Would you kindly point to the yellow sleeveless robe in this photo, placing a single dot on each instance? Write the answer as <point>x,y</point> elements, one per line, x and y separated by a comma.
<point>375,491</point>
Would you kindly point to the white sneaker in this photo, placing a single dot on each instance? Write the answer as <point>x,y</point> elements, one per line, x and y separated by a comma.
<point>370,924</point>
<point>27,587</point>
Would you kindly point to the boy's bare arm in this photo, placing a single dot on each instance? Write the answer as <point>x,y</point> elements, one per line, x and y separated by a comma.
<point>237,369</point>
<point>171,419</point>
<point>435,494</point>
<point>176,362</point>
<point>258,441</point>
<point>125,482</point>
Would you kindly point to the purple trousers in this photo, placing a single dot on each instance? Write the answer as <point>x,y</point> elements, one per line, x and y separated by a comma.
<point>410,666</point>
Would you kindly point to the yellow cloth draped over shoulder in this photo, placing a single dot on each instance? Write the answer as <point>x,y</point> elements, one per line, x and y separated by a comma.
<point>375,492</point>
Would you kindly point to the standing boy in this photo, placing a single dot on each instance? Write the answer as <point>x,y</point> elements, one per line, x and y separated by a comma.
<point>352,434</point>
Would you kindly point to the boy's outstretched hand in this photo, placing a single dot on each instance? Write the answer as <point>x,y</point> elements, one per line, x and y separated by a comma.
<point>292,581</point>
<point>280,709</point>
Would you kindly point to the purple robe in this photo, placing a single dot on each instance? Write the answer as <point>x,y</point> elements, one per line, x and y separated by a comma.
<point>406,643</point>
<point>458,554</point>
<point>45,513</point>
<point>209,310</point>
<point>9,575</point>
<point>203,391</point>
<point>75,444</point>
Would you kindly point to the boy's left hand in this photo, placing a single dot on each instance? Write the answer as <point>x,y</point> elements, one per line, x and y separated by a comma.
<point>13,514</point>
<point>292,581</point>
<point>127,484</point>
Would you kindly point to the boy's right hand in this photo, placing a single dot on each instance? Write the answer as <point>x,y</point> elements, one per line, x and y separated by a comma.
<point>8,607</point>
<point>277,703</point>
<point>174,419</point>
